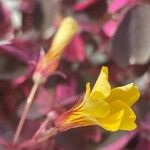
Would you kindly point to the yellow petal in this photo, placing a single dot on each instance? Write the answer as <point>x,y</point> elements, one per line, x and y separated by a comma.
<point>95,109</point>
<point>88,90</point>
<point>87,115</point>
<point>128,94</point>
<point>86,96</point>
<point>129,116</point>
<point>112,122</point>
<point>129,125</point>
<point>102,87</point>
<point>92,109</point>
<point>121,116</point>
<point>64,34</point>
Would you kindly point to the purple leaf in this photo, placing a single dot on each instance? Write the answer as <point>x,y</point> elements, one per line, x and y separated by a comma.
<point>5,22</point>
<point>75,50</point>
<point>66,92</point>
<point>17,53</point>
<point>117,141</point>
<point>83,5</point>
<point>110,27</point>
<point>143,143</point>
<point>116,5</point>
<point>131,41</point>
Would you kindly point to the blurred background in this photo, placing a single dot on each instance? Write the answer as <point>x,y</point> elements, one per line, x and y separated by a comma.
<point>115,33</point>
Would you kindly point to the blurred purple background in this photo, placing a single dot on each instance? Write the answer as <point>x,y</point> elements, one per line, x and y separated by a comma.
<point>115,33</point>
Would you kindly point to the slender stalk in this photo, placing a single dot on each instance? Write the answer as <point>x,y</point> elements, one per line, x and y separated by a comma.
<point>50,117</point>
<point>25,111</point>
<point>41,128</point>
<point>48,134</point>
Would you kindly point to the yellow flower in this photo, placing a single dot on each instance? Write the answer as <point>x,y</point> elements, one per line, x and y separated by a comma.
<point>103,106</point>
<point>48,64</point>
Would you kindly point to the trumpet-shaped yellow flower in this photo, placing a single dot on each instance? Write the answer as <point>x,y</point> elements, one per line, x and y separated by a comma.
<point>103,106</point>
<point>48,64</point>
